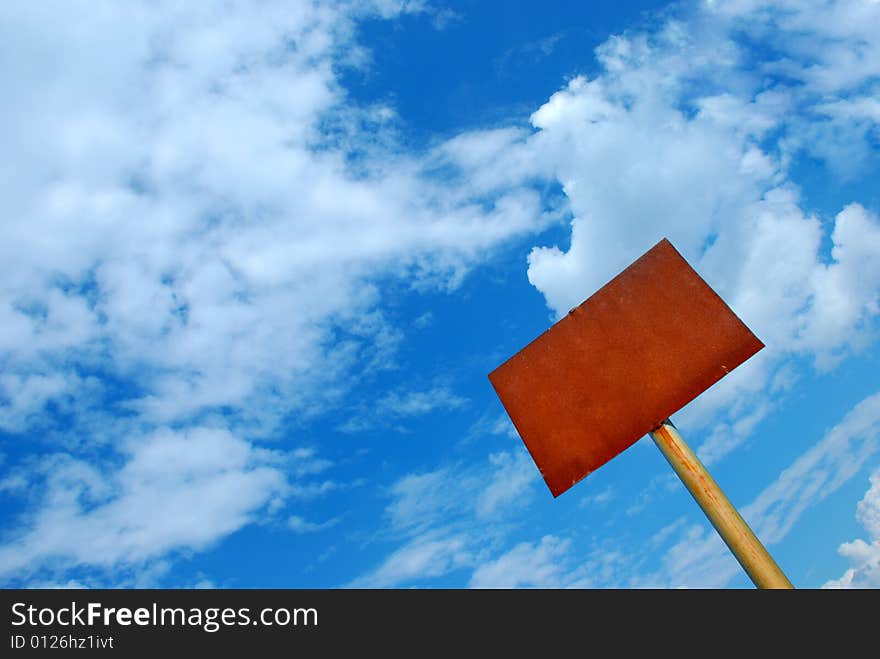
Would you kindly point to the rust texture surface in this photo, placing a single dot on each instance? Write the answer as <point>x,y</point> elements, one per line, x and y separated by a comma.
<point>643,346</point>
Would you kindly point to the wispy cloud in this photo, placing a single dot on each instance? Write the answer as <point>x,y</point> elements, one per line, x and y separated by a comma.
<point>527,54</point>
<point>421,559</point>
<point>492,423</point>
<point>699,558</point>
<point>510,482</point>
<point>413,403</point>
<point>299,524</point>
<point>451,518</point>
<point>537,565</point>
<point>601,498</point>
<point>396,407</point>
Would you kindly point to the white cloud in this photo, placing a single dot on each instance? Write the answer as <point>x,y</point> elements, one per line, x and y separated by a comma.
<point>685,133</point>
<point>863,556</point>
<point>438,514</point>
<point>831,46</point>
<point>553,563</point>
<point>213,225</point>
<point>298,524</point>
<point>182,217</point>
<point>305,462</point>
<point>422,558</point>
<point>601,498</point>
<point>431,499</point>
<point>424,320</point>
<point>491,160</point>
<point>450,518</point>
<point>414,403</point>
<point>196,213</point>
<point>699,558</point>
<point>25,397</point>
<point>398,406</point>
<point>636,167</point>
<point>492,424</point>
<point>726,437</point>
<point>846,295</point>
<point>526,565</point>
<point>820,471</point>
<point>311,490</point>
<point>176,490</point>
<point>510,483</point>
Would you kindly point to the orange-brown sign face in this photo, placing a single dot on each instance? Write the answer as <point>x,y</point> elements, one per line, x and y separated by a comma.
<point>642,347</point>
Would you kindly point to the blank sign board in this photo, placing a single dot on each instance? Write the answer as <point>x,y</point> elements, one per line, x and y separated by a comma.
<point>643,346</point>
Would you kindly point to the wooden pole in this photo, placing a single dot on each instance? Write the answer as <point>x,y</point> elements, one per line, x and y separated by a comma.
<point>732,528</point>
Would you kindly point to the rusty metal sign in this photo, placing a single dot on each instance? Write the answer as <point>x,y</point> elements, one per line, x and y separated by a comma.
<point>643,346</point>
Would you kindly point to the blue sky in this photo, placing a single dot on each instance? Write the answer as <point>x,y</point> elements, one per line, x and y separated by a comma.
<point>258,260</point>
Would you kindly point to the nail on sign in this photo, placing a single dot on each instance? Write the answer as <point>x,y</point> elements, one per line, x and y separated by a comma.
<point>642,347</point>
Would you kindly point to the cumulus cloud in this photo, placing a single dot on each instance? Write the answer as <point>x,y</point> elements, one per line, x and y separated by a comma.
<point>845,291</point>
<point>176,490</point>
<point>684,132</point>
<point>864,556</point>
<point>694,129</point>
<point>195,217</point>
<point>197,220</point>
<point>647,149</point>
<point>199,202</point>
